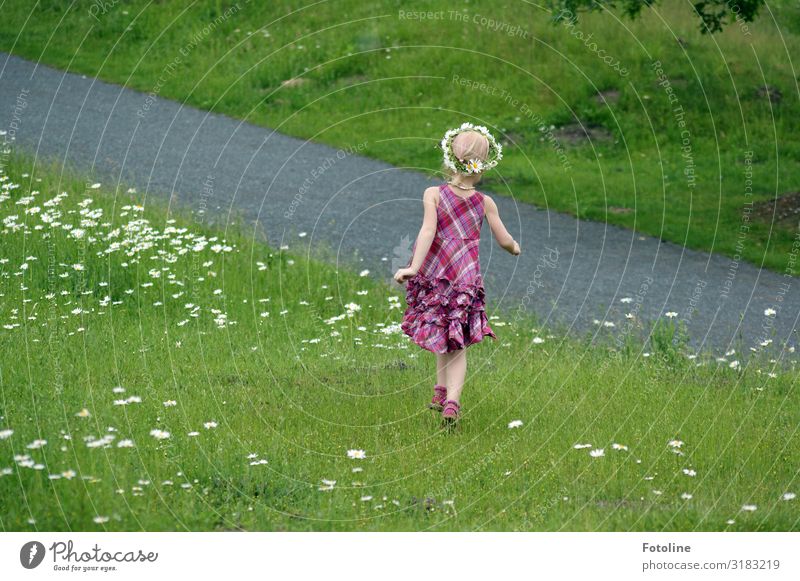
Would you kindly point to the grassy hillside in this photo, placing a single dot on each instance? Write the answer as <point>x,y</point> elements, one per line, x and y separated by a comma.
<point>691,151</point>
<point>166,376</point>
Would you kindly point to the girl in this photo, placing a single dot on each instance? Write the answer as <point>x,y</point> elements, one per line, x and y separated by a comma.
<point>445,292</point>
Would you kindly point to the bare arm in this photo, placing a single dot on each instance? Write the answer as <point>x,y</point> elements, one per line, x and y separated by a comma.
<point>424,238</point>
<point>504,239</point>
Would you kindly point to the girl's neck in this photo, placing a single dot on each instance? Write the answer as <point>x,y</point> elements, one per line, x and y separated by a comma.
<point>466,182</point>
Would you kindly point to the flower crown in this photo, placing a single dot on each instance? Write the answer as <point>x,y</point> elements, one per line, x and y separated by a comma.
<point>470,166</point>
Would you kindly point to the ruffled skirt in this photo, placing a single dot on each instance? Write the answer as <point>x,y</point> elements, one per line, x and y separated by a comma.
<point>443,316</point>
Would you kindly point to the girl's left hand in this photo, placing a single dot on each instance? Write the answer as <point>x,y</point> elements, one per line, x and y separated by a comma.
<point>403,275</point>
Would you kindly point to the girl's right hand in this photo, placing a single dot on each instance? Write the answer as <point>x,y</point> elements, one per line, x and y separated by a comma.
<point>403,274</point>
<point>516,250</point>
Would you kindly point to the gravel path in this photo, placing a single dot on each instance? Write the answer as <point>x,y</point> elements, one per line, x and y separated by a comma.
<point>571,274</point>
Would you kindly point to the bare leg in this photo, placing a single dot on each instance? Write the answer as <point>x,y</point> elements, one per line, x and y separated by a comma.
<point>456,365</point>
<point>441,369</point>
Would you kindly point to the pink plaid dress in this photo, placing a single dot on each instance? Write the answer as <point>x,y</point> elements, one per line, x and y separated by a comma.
<point>446,310</point>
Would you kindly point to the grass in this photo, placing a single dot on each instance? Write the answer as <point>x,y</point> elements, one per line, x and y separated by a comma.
<point>369,69</point>
<point>163,326</point>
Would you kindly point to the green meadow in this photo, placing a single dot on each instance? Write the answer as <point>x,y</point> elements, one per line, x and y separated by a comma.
<point>159,374</point>
<point>648,124</point>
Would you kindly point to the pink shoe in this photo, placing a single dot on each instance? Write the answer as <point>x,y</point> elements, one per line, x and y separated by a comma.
<point>451,411</point>
<point>439,397</point>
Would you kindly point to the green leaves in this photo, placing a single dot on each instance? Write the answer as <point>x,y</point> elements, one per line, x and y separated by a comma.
<point>714,14</point>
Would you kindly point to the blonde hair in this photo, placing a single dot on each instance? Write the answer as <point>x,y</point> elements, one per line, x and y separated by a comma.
<point>469,145</point>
